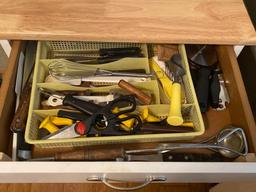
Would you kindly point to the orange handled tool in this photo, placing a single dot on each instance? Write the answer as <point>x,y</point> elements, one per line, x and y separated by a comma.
<point>143,97</point>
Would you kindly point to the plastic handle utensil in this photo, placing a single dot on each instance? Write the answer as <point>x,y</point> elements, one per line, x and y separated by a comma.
<point>143,97</point>
<point>163,78</point>
<point>175,117</point>
<point>175,65</point>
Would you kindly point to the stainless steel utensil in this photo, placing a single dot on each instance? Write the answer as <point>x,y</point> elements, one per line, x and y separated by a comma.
<point>230,142</point>
<point>66,70</point>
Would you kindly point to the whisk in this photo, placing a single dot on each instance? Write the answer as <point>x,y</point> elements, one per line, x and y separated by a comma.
<point>66,70</point>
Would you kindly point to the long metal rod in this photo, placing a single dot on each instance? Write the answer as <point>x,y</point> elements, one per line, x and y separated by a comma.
<point>163,148</point>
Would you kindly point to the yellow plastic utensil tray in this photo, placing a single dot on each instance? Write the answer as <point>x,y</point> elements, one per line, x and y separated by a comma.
<point>46,51</point>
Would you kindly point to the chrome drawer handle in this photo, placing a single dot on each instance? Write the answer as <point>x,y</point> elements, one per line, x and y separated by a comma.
<point>105,180</point>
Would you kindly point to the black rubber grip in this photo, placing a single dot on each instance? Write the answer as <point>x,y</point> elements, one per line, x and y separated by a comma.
<point>72,115</point>
<point>21,143</point>
<point>103,60</point>
<point>43,132</point>
<point>83,106</point>
<point>113,58</point>
<point>193,157</point>
<point>214,90</point>
<point>202,88</point>
<point>120,51</point>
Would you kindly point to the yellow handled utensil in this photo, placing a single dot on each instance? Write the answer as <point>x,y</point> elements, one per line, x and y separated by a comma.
<point>47,124</point>
<point>147,117</point>
<point>172,88</point>
<point>175,65</point>
<point>163,78</point>
<point>50,123</point>
<point>60,121</point>
<point>187,124</point>
<point>126,125</point>
<point>175,116</point>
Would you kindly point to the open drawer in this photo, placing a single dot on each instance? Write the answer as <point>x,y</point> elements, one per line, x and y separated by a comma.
<point>238,113</point>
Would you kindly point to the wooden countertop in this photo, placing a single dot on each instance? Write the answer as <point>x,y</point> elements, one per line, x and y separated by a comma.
<point>157,21</point>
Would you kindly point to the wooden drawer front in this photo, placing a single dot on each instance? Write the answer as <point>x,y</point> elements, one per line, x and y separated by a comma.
<point>238,113</point>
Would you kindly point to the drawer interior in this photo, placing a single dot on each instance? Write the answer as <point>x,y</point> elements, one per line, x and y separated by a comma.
<point>247,60</point>
<point>237,113</point>
<point>240,110</point>
<point>8,96</point>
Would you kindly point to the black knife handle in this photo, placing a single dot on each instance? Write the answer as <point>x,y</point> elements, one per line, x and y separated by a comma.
<point>193,157</point>
<point>108,59</point>
<point>83,106</point>
<point>120,51</point>
<point>202,88</point>
<point>214,90</point>
<point>23,148</point>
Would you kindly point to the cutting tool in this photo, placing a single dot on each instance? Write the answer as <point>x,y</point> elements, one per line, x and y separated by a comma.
<point>103,120</point>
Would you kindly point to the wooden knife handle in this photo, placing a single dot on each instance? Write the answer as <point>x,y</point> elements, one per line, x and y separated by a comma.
<point>20,118</point>
<point>143,97</point>
<point>90,155</point>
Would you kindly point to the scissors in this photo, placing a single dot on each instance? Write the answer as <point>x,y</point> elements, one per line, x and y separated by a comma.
<point>103,120</point>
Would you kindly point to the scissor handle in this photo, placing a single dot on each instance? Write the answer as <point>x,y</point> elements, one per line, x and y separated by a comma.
<point>83,106</point>
<point>128,100</point>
